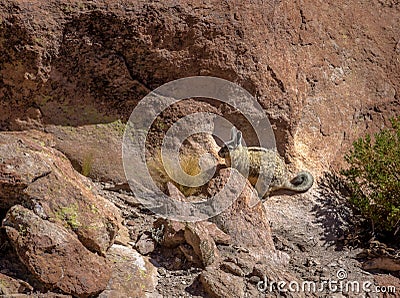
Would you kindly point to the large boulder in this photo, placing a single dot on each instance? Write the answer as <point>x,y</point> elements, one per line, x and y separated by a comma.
<point>36,175</point>
<point>55,220</point>
<point>55,256</point>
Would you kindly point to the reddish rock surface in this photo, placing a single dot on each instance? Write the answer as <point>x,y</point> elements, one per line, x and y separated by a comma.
<point>55,256</point>
<point>67,226</point>
<point>35,174</point>
<point>220,284</point>
<point>9,285</point>
<point>326,72</point>
<point>202,243</point>
<point>133,275</point>
<point>172,232</point>
<point>245,221</point>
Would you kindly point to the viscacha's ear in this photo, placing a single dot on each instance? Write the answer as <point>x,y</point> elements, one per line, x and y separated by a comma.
<point>233,133</point>
<point>238,138</point>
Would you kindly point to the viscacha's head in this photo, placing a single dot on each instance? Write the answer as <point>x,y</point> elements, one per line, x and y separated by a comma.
<point>232,144</point>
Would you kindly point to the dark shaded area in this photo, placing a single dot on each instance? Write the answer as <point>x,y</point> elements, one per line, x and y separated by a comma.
<point>343,223</point>
<point>339,221</point>
<point>10,265</point>
<point>196,288</point>
<point>173,260</point>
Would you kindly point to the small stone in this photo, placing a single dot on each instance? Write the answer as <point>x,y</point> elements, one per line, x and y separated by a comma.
<point>130,223</point>
<point>232,268</point>
<point>162,271</point>
<point>254,279</point>
<point>145,244</point>
<point>172,232</point>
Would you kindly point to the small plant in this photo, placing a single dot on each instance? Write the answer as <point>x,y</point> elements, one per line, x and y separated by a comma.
<point>157,234</point>
<point>87,164</point>
<point>159,168</point>
<point>373,178</point>
<point>70,216</point>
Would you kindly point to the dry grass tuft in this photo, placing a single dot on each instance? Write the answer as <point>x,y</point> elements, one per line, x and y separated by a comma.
<point>158,170</point>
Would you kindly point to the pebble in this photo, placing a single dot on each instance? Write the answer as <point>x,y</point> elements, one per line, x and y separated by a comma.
<point>162,271</point>
<point>254,279</point>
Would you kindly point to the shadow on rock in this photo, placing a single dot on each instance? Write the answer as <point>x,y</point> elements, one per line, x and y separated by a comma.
<point>333,211</point>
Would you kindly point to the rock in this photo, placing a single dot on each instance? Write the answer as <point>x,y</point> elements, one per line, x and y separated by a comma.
<point>145,244</point>
<point>232,268</point>
<point>122,236</point>
<point>99,156</point>
<point>218,283</point>
<point>382,263</point>
<point>172,232</point>
<point>251,251</point>
<point>191,255</point>
<point>216,234</point>
<point>55,256</point>
<point>162,271</point>
<point>254,279</point>
<point>132,274</point>
<point>9,285</point>
<point>35,174</point>
<point>19,166</point>
<point>175,193</point>
<point>244,221</point>
<point>196,234</point>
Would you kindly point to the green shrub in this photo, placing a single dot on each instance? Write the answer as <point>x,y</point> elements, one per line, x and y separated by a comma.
<point>373,178</point>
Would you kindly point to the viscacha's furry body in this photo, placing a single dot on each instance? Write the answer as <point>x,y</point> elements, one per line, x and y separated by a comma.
<point>264,168</point>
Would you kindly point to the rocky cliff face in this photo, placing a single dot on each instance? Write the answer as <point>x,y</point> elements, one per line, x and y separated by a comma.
<point>325,72</point>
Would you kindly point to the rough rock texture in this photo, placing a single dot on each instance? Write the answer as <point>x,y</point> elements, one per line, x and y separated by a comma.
<point>55,256</point>
<point>36,175</point>
<point>202,243</point>
<point>234,248</point>
<point>245,221</point>
<point>325,72</point>
<point>145,244</point>
<point>133,275</point>
<point>220,284</point>
<point>64,225</point>
<point>9,285</point>
<point>172,232</point>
